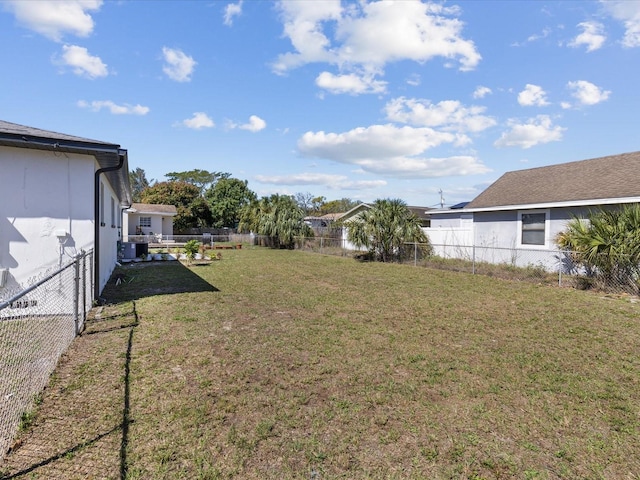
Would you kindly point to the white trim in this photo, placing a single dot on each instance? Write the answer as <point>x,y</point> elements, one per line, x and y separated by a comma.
<point>532,206</point>
<point>547,225</point>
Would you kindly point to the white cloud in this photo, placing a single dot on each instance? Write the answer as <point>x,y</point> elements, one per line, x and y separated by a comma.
<point>586,93</point>
<point>54,18</point>
<point>591,36</point>
<point>414,80</point>
<point>526,135</point>
<point>82,63</point>
<point>538,36</point>
<point>333,182</point>
<point>389,150</point>
<point>232,10</point>
<point>363,37</point>
<point>481,92</point>
<point>628,12</point>
<point>199,121</point>
<point>178,65</point>
<point>449,114</point>
<point>350,83</point>
<point>532,95</point>
<point>303,26</point>
<point>255,124</point>
<point>114,108</point>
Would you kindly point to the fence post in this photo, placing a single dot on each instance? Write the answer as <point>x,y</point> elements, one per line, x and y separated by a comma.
<point>76,291</point>
<point>91,276</point>
<point>84,286</point>
<point>415,254</point>
<point>473,259</point>
<point>321,243</point>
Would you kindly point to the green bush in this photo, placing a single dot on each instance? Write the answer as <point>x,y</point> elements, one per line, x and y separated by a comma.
<point>191,248</point>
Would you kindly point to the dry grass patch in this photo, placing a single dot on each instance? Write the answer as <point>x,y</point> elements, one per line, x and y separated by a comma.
<point>290,365</point>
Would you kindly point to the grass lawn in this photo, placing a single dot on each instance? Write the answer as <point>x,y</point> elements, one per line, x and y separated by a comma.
<point>273,364</point>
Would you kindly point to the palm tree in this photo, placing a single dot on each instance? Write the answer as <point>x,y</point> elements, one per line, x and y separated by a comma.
<point>277,217</point>
<point>385,229</point>
<point>606,244</point>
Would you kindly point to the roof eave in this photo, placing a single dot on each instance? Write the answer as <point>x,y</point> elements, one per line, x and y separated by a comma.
<point>534,206</point>
<point>106,154</point>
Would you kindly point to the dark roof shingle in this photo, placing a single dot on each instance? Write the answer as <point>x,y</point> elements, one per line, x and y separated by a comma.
<point>614,176</point>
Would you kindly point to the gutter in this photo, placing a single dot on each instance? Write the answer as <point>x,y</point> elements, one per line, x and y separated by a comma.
<point>104,153</point>
<point>97,224</point>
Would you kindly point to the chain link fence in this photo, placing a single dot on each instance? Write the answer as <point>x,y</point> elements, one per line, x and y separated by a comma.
<point>37,324</point>
<point>553,267</point>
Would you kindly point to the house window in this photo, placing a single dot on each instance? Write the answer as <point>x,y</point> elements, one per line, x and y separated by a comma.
<point>533,228</point>
<point>145,222</point>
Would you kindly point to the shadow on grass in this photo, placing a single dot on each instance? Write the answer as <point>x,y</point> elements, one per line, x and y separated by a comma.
<point>123,427</point>
<point>145,279</point>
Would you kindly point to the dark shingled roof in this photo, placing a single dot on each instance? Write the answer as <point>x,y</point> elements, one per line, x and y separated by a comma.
<point>28,133</point>
<point>615,176</point>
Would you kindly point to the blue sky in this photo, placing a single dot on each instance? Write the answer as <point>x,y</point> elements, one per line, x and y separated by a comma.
<point>363,100</point>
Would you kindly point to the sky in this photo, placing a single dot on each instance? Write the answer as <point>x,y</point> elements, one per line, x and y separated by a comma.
<point>428,102</point>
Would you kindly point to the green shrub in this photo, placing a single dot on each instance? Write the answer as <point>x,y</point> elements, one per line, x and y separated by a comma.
<point>191,248</point>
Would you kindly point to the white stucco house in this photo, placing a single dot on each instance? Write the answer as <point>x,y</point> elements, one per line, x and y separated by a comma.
<point>524,210</point>
<point>148,219</point>
<point>59,194</point>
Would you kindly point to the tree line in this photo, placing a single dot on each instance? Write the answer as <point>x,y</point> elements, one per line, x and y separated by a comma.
<point>206,199</point>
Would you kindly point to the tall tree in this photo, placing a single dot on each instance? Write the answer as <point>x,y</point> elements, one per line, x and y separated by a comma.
<point>338,206</point>
<point>226,198</point>
<point>200,178</point>
<point>193,211</point>
<point>277,217</point>
<point>385,228</point>
<point>138,181</point>
<point>305,202</point>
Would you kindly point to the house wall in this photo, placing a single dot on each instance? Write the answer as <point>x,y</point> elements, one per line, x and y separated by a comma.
<point>494,237</point>
<point>159,224</point>
<point>451,235</point>
<point>44,193</point>
<point>110,220</point>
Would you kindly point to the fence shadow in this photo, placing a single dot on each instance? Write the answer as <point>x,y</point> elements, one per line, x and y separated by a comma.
<point>139,280</point>
<point>98,452</point>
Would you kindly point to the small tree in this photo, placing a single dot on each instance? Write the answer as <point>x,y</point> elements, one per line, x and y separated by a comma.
<point>385,229</point>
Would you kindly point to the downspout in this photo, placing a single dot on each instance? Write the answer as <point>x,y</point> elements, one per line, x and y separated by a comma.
<point>96,223</point>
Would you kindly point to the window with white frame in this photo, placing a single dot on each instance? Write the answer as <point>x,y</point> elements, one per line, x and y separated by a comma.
<point>533,228</point>
<point>145,222</point>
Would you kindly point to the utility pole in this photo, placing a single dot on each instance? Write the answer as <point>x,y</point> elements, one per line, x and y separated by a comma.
<point>441,199</point>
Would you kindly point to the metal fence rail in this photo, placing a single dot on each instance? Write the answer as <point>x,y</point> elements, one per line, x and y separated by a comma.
<point>37,325</point>
<point>553,267</point>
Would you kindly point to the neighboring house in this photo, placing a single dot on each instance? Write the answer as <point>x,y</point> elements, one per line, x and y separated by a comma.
<point>148,219</point>
<point>324,225</point>
<point>524,210</point>
<point>60,194</point>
